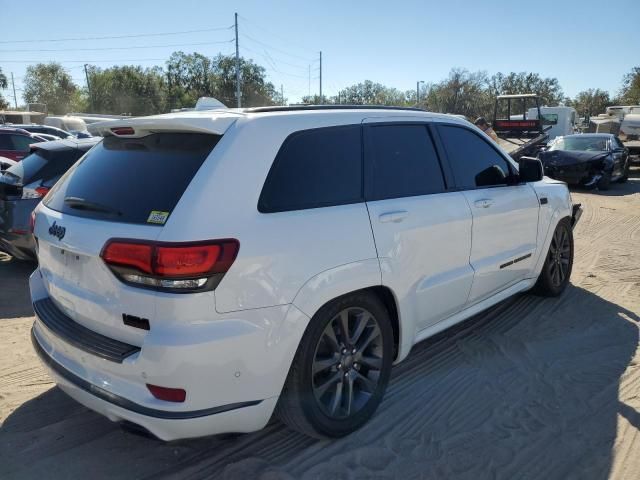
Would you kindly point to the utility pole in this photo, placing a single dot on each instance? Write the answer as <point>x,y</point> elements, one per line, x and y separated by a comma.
<point>237,65</point>
<point>15,100</point>
<point>321,102</point>
<point>86,74</point>
<point>309,82</point>
<point>417,93</point>
<point>282,94</point>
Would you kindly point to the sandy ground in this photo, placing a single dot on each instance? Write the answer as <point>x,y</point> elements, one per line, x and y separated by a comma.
<point>533,388</point>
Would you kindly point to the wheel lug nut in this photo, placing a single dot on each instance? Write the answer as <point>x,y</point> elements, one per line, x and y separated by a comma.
<point>344,351</point>
<point>346,374</point>
<point>353,351</point>
<point>339,366</point>
<point>356,366</point>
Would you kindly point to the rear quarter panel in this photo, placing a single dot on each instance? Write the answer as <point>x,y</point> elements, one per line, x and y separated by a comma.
<point>279,252</point>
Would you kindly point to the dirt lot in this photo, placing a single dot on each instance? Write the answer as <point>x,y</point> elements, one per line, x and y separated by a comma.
<point>534,388</point>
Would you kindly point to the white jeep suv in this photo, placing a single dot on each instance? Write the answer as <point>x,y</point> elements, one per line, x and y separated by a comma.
<point>201,271</point>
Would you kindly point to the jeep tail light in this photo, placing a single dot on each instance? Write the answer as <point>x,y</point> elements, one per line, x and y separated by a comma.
<point>176,267</point>
<point>38,192</point>
<point>167,394</point>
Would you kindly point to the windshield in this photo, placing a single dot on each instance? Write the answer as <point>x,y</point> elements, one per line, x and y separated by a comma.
<point>581,143</point>
<point>549,118</point>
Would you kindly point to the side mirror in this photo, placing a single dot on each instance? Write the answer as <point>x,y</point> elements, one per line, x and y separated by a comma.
<point>531,169</point>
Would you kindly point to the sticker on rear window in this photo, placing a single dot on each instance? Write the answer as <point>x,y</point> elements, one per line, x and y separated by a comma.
<point>156,216</point>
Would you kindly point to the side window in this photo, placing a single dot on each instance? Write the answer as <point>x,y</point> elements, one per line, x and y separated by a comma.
<point>474,161</point>
<point>402,162</point>
<point>5,142</point>
<point>22,142</point>
<point>315,168</point>
<point>617,143</point>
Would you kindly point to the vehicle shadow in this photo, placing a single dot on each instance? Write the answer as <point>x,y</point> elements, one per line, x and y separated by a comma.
<point>529,388</point>
<point>14,287</point>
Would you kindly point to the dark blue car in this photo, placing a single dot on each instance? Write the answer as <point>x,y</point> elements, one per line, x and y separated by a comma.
<point>23,185</point>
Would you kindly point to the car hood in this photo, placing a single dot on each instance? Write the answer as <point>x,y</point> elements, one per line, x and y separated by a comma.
<point>565,157</point>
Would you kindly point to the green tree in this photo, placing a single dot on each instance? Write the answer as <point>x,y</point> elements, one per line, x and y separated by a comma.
<point>590,102</point>
<point>3,84</point>
<point>50,84</point>
<point>255,89</point>
<point>364,93</point>
<point>526,82</point>
<point>128,90</point>
<point>462,92</point>
<point>189,77</point>
<point>630,92</point>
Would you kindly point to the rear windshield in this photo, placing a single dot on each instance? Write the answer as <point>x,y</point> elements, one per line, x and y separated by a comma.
<point>23,171</point>
<point>133,180</point>
<point>43,166</point>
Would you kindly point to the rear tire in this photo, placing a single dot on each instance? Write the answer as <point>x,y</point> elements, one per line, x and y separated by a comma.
<point>556,271</point>
<point>337,381</point>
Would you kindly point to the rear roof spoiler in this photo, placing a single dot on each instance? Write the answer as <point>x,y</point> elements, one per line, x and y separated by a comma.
<point>196,122</point>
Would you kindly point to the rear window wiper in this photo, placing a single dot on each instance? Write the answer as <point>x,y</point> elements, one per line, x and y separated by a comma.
<point>82,204</point>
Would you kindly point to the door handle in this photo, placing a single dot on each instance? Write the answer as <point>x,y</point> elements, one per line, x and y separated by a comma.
<point>483,203</point>
<point>394,217</point>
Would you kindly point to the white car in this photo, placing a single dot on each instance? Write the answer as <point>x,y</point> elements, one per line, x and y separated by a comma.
<point>201,271</point>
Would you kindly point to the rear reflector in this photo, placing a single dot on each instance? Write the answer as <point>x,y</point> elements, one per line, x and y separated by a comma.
<point>171,266</point>
<point>167,394</point>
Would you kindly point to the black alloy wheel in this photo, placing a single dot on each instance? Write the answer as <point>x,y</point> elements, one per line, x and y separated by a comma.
<point>347,363</point>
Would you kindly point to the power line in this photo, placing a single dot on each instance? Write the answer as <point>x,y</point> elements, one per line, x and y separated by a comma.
<point>116,48</point>
<point>269,59</point>
<point>112,37</point>
<point>279,60</point>
<point>89,61</point>
<point>287,41</point>
<point>306,59</point>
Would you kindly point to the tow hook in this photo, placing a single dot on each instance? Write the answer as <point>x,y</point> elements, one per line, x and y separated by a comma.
<point>576,213</point>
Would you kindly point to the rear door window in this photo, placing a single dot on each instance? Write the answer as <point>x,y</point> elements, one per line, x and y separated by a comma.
<point>315,168</point>
<point>5,142</point>
<point>401,162</point>
<point>132,180</point>
<point>475,163</point>
<point>21,142</point>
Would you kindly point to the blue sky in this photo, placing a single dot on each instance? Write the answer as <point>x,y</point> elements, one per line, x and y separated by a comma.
<point>582,43</point>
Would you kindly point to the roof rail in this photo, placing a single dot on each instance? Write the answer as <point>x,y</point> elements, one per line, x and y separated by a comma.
<point>294,108</point>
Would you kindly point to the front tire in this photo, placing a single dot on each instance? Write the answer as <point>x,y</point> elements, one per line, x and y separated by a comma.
<point>556,272</point>
<point>605,182</point>
<point>341,368</point>
<point>625,175</point>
